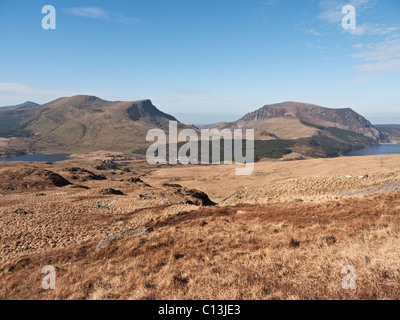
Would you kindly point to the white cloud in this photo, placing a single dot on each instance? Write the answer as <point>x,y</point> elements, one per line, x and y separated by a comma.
<point>332,9</point>
<point>385,50</point>
<point>382,57</point>
<point>358,46</point>
<point>100,13</point>
<point>372,29</point>
<point>88,12</point>
<point>321,49</point>
<point>332,13</point>
<point>381,66</point>
<point>314,32</point>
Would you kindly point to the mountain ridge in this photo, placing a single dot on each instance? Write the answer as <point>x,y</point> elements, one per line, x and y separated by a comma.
<point>81,123</point>
<point>25,105</point>
<point>84,123</point>
<point>343,118</point>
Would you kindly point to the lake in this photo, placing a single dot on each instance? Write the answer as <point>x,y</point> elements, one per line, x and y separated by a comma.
<point>381,149</point>
<point>39,157</point>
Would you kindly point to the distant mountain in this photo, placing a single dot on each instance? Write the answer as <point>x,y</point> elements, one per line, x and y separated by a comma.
<point>87,123</point>
<point>81,123</point>
<point>210,126</point>
<point>309,129</point>
<point>22,106</point>
<point>391,130</point>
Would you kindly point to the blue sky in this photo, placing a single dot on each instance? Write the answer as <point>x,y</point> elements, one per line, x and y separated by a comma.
<point>205,61</point>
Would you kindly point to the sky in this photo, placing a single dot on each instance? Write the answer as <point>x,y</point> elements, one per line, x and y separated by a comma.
<point>205,61</point>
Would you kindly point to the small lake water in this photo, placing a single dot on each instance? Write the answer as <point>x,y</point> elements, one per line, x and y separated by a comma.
<point>381,149</point>
<point>39,157</point>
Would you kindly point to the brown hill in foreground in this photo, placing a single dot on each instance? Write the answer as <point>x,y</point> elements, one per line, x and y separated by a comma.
<point>292,246</point>
<point>287,251</point>
<point>81,123</point>
<point>30,179</point>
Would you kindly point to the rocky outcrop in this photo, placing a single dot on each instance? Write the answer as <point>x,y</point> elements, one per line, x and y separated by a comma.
<point>83,174</point>
<point>30,178</point>
<point>111,239</point>
<point>111,191</point>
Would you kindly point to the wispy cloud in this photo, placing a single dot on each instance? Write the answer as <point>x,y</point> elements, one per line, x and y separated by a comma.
<point>102,14</point>
<point>314,32</point>
<point>372,29</point>
<point>358,46</point>
<point>331,13</point>
<point>270,2</point>
<point>331,10</point>
<point>381,57</point>
<point>321,49</point>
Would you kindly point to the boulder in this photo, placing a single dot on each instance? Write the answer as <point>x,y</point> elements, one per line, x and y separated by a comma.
<point>109,191</point>
<point>115,237</point>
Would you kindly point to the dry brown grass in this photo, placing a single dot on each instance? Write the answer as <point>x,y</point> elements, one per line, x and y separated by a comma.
<point>280,251</point>
<point>291,247</point>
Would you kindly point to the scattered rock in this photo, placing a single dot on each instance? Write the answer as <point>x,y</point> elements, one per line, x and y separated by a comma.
<point>178,256</point>
<point>165,202</point>
<point>186,201</point>
<point>78,186</point>
<point>330,240</point>
<point>168,185</point>
<point>145,197</point>
<point>241,212</point>
<point>108,240</point>
<point>385,187</point>
<point>109,191</point>
<point>22,212</point>
<point>84,175</point>
<point>142,197</point>
<point>137,181</point>
<point>199,198</point>
<point>107,165</point>
<point>294,244</point>
<point>102,204</point>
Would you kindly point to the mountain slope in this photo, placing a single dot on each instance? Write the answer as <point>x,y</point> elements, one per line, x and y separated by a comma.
<point>292,120</point>
<point>82,123</point>
<point>25,105</point>
<point>314,130</point>
<point>392,131</point>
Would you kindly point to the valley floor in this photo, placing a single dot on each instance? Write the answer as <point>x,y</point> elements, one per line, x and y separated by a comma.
<point>286,232</point>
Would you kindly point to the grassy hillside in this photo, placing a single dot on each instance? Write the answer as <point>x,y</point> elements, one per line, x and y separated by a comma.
<point>82,123</point>
<point>333,142</point>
